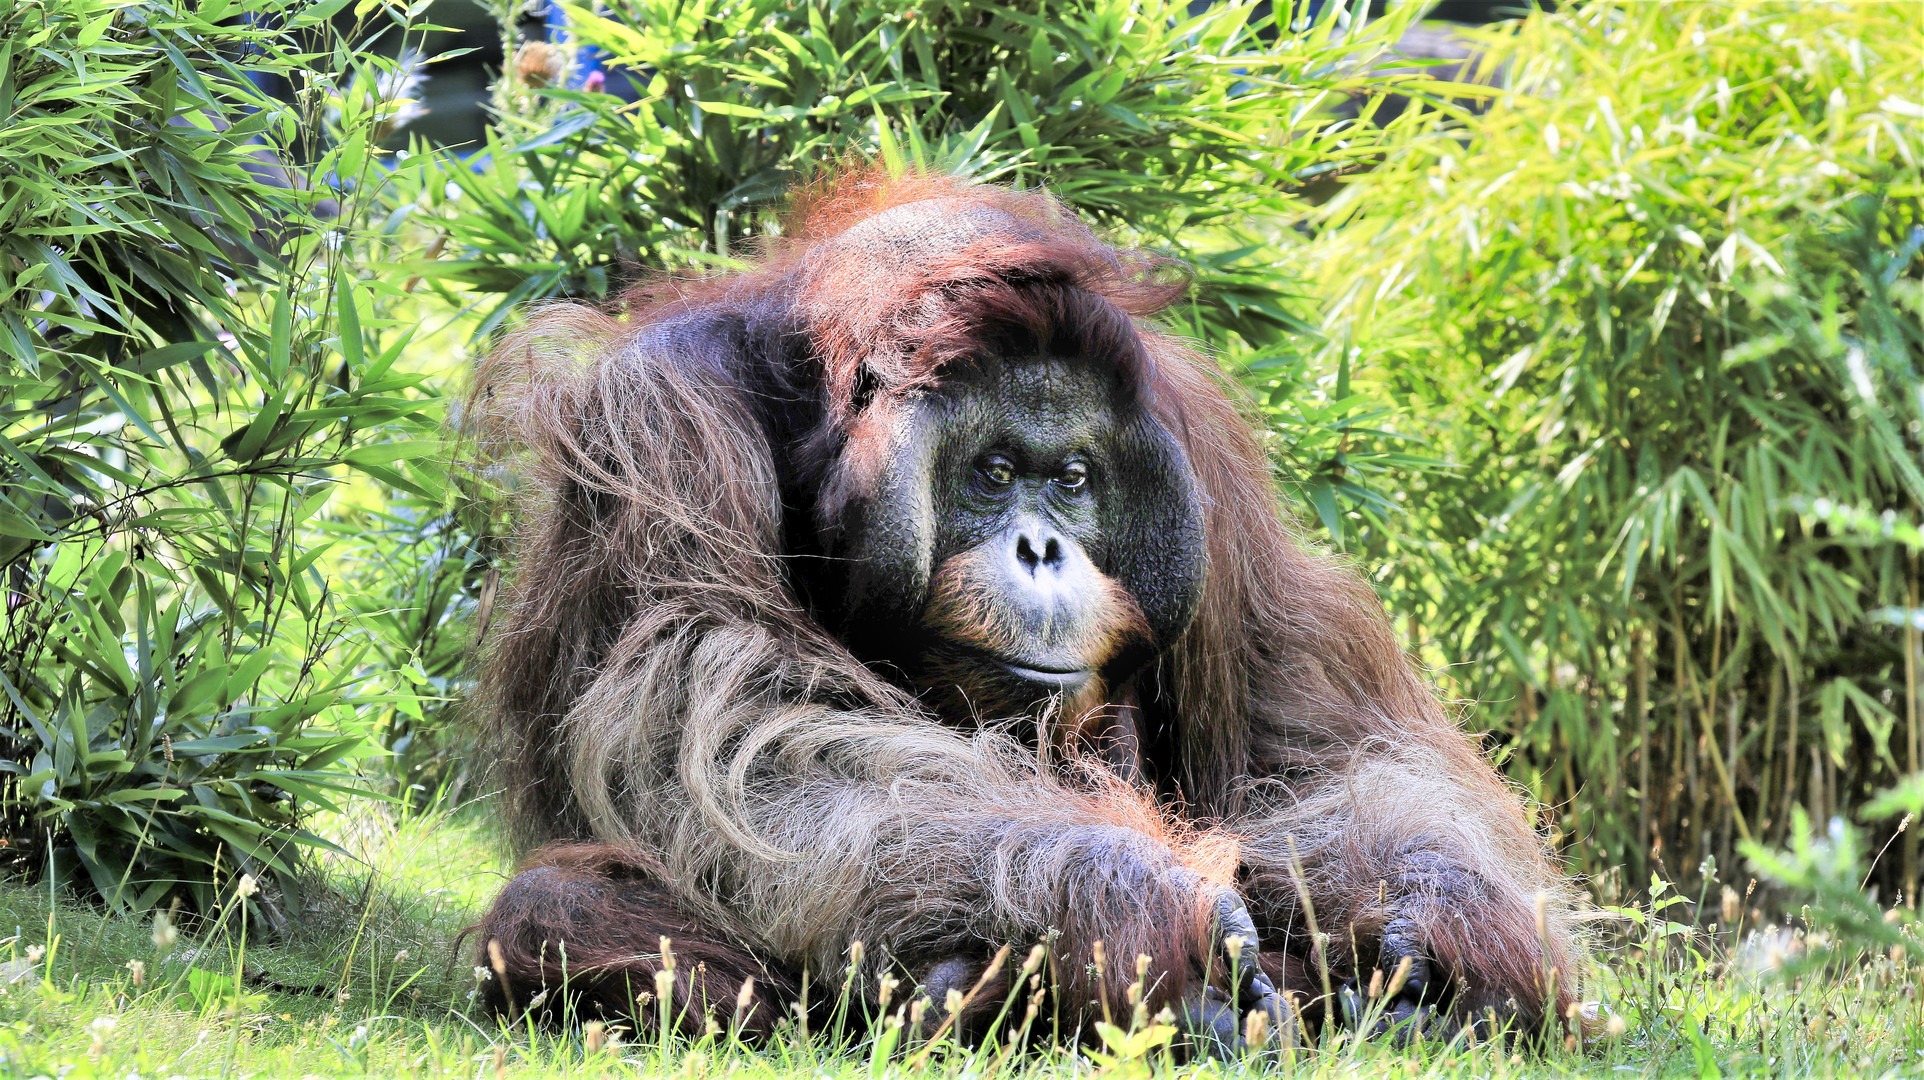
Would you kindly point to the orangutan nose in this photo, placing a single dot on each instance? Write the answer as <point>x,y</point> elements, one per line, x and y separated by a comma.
<point>1038,549</point>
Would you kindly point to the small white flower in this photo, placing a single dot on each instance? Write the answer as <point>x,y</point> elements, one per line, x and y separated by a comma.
<point>482,974</point>
<point>247,886</point>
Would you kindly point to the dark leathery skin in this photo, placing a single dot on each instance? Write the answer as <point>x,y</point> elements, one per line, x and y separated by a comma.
<point>1211,1025</point>
<point>957,973</point>
<point>1211,1021</point>
<point>1424,879</point>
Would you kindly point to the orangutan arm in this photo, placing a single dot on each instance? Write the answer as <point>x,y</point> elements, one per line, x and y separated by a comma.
<point>779,808</point>
<point>1401,855</point>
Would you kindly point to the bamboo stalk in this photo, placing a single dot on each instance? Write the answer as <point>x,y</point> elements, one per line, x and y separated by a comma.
<point>1833,798</point>
<point>1706,694</point>
<point>1910,717</point>
<point>1817,785</point>
<point>1640,691</point>
<point>1730,761</point>
<point>1708,721</point>
<point>1686,744</point>
<point>1790,745</point>
<point>1723,774</point>
<point>1772,703</point>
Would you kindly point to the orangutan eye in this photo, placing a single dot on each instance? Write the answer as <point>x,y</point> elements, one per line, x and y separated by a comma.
<point>1075,476</point>
<point>998,470</point>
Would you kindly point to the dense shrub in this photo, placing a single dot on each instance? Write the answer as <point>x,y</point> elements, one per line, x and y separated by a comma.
<point>1184,130</point>
<point>189,372</point>
<point>1658,308</point>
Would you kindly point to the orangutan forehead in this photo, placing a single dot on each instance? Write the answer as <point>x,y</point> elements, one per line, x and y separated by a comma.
<point>1057,399</point>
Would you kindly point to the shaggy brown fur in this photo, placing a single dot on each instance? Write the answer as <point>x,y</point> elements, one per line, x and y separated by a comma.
<point>618,912</point>
<point>655,681</point>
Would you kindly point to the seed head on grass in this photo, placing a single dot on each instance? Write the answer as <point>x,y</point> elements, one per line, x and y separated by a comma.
<point>1400,976</point>
<point>744,1000</point>
<point>100,1029</point>
<point>1034,963</point>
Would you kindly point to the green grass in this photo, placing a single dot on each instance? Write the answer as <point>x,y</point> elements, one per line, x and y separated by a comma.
<point>371,980</point>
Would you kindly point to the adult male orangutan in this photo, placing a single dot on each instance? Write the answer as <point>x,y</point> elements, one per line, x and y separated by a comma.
<point>912,588</point>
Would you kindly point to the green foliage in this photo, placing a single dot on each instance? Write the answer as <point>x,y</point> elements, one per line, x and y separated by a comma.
<point>191,372</point>
<point>1658,309</point>
<point>1177,129</point>
<point>1828,870</point>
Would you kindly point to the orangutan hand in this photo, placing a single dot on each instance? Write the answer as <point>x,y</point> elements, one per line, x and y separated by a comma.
<point>1213,1019</point>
